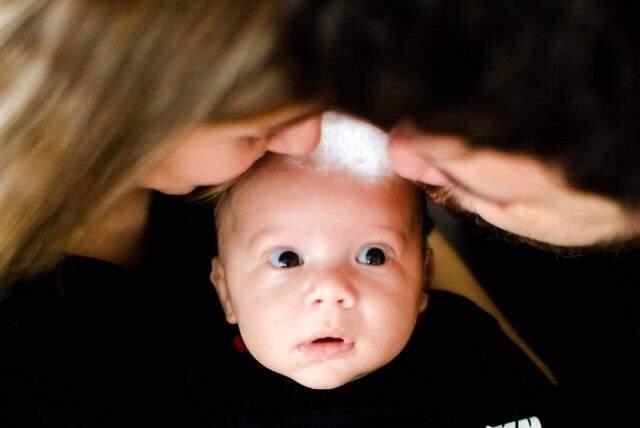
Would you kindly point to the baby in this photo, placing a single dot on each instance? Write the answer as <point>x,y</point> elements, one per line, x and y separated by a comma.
<point>323,260</point>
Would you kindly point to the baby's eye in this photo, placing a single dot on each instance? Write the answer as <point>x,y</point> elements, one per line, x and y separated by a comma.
<point>372,255</point>
<point>285,259</point>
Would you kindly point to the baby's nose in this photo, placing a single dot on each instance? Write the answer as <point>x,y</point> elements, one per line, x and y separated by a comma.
<point>333,289</point>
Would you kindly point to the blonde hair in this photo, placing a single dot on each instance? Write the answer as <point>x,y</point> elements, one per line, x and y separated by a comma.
<point>93,92</point>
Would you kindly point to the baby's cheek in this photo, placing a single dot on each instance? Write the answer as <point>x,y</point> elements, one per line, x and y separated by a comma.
<point>254,341</point>
<point>263,329</point>
<point>400,321</point>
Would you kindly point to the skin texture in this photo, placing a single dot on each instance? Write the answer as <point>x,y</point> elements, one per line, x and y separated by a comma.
<point>516,193</point>
<point>213,154</point>
<point>328,219</point>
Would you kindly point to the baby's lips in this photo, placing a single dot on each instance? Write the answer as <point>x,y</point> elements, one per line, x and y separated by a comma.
<point>326,347</point>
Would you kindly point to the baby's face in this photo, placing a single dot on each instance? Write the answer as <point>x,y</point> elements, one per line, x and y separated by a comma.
<point>322,272</point>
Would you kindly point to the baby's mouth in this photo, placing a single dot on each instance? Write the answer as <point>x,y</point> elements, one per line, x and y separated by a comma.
<point>328,340</point>
<point>321,347</point>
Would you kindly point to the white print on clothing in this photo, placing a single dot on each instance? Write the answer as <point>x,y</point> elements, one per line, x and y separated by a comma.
<point>350,144</point>
<point>522,423</point>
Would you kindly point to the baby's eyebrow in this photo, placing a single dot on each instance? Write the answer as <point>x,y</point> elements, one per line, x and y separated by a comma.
<point>393,233</point>
<point>257,239</point>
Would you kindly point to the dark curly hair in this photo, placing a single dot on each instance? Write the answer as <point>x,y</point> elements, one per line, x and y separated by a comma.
<point>556,79</point>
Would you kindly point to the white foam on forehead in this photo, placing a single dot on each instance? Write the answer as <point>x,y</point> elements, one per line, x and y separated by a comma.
<point>350,144</point>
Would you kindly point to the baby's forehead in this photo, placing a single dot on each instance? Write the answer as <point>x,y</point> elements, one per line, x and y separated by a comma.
<point>291,184</point>
<point>294,172</point>
<point>279,197</point>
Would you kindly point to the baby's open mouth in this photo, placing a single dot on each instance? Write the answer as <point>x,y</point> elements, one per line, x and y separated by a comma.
<point>329,340</point>
<point>326,347</point>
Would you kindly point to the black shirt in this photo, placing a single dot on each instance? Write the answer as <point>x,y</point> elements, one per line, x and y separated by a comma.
<point>95,344</point>
<point>580,311</point>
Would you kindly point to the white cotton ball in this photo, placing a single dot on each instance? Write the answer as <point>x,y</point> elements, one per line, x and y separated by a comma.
<point>353,145</point>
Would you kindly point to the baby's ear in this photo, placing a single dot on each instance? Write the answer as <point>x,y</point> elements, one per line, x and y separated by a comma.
<point>428,277</point>
<point>219,281</point>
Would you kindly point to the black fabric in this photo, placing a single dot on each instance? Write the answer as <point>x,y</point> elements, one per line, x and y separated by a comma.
<point>79,348</point>
<point>581,312</point>
<point>458,370</point>
<point>94,344</point>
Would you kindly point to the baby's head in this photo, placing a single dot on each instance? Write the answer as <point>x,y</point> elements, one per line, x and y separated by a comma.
<point>322,268</point>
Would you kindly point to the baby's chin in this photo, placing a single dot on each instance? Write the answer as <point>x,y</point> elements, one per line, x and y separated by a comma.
<point>320,379</point>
